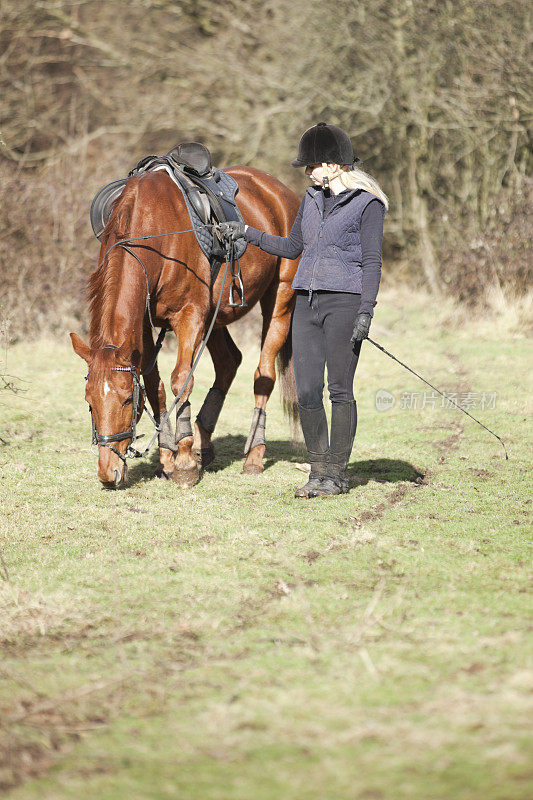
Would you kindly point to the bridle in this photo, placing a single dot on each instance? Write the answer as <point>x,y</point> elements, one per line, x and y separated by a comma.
<point>138,404</point>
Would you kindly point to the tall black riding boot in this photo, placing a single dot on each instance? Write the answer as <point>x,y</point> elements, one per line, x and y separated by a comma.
<point>315,430</point>
<point>343,427</point>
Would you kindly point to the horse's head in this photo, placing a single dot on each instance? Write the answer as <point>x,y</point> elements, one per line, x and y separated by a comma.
<point>116,401</point>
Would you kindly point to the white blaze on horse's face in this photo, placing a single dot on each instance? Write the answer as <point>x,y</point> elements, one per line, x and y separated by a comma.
<point>111,397</point>
<point>110,391</point>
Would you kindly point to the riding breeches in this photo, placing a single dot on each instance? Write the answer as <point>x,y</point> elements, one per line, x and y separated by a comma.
<point>321,333</point>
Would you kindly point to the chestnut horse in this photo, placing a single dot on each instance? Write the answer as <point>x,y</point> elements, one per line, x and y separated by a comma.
<point>183,299</point>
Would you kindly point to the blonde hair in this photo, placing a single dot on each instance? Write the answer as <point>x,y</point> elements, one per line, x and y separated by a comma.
<point>354,177</point>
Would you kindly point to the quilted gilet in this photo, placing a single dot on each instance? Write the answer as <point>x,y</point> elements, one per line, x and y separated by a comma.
<point>331,258</point>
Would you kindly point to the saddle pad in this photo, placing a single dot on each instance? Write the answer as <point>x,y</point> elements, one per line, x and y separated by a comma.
<point>228,187</point>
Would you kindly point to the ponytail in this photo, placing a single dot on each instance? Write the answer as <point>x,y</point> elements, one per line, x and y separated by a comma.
<point>354,177</point>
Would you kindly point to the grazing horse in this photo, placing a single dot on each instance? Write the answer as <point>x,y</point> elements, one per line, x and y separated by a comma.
<point>182,298</point>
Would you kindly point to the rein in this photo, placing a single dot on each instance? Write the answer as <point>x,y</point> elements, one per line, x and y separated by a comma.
<point>139,392</point>
<point>122,243</point>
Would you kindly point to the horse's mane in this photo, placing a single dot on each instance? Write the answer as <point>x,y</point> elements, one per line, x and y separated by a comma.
<point>102,285</point>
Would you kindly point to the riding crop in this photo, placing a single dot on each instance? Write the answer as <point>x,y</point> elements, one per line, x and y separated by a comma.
<point>439,391</point>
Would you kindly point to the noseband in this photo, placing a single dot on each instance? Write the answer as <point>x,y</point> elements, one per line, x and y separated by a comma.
<point>104,440</point>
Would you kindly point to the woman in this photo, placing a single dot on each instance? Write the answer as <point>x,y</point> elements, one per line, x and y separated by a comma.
<point>338,230</point>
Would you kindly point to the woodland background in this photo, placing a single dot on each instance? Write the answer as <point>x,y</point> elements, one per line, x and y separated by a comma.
<point>436,97</point>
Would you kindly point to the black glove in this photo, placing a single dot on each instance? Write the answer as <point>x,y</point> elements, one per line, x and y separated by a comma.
<point>361,328</point>
<point>232,230</point>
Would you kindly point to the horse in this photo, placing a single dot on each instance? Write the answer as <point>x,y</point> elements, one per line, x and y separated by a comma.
<point>182,297</point>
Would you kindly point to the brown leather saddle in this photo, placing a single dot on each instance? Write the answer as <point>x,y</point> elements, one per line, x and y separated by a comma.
<point>209,195</point>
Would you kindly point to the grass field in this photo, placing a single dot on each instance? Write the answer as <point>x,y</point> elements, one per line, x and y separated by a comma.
<point>231,642</point>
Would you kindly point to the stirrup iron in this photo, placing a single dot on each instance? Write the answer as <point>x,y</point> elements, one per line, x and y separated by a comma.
<point>236,284</point>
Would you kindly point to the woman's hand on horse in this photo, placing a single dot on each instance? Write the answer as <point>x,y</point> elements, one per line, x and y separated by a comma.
<point>232,230</point>
<point>361,328</point>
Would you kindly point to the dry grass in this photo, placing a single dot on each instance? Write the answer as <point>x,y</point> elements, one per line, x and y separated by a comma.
<point>26,615</point>
<point>160,643</point>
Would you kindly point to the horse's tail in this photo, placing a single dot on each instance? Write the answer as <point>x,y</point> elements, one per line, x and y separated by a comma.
<point>287,384</point>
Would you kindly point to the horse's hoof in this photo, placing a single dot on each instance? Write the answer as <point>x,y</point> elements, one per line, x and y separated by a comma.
<point>185,478</point>
<point>252,469</point>
<point>205,456</point>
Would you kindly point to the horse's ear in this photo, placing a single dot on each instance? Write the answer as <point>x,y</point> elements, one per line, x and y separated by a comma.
<point>80,348</point>
<point>127,353</point>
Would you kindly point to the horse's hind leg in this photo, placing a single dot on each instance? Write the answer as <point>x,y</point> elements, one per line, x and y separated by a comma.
<point>276,306</point>
<point>226,358</point>
<point>155,392</point>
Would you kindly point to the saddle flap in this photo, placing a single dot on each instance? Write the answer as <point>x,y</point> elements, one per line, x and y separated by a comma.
<point>193,156</point>
<point>103,203</point>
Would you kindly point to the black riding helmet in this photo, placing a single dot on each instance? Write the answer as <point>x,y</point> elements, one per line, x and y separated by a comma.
<point>324,143</point>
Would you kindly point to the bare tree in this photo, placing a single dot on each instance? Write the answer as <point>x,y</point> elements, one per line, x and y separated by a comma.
<point>436,96</point>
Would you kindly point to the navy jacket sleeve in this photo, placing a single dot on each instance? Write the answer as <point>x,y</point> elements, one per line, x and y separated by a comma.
<point>287,247</point>
<point>371,241</point>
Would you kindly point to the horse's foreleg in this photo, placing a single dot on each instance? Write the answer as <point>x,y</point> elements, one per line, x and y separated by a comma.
<point>155,392</point>
<point>276,306</point>
<point>226,358</point>
<point>188,326</point>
